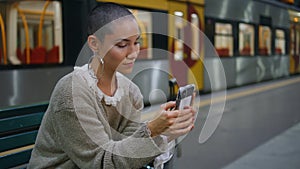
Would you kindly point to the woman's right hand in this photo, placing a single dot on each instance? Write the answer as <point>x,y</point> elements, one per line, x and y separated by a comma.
<point>172,123</point>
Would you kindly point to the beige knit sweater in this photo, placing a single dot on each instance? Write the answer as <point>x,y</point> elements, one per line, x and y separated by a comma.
<point>83,128</point>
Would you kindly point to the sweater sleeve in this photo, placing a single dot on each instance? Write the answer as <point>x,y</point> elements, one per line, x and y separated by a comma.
<point>85,136</point>
<point>99,151</point>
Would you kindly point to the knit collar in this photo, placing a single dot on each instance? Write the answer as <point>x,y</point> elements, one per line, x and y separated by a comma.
<point>89,75</point>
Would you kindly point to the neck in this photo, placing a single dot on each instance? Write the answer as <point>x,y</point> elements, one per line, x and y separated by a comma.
<point>108,84</point>
<point>107,81</point>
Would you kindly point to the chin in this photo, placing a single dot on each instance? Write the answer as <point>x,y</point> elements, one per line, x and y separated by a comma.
<point>125,71</point>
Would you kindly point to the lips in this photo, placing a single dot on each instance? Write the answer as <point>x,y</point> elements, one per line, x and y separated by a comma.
<point>130,64</point>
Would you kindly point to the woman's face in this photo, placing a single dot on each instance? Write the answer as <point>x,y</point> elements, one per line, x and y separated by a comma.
<point>122,46</point>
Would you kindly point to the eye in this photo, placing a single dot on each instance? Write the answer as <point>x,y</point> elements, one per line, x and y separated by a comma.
<point>121,45</point>
<point>137,43</point>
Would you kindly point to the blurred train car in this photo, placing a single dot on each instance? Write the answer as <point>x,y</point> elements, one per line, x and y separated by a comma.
<point>255,41</point>
<point>42,39</point>
<point>39,44</point>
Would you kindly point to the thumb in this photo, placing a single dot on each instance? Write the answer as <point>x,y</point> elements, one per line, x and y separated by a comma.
<point>168,105</point>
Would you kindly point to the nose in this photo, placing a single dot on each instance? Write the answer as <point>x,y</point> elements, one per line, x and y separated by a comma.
<point>132,55</point>
<point>134,52</point>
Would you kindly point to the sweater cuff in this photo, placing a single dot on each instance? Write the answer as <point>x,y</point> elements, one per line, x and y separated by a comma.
<point>160,141</point>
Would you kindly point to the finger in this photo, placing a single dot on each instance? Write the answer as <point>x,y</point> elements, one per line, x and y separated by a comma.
<point>193,98</point>
<point>182,124</point>
<point>167,116</point>
<point>190,109</point>
<point>172,114</point>
<point>182,131</point>
<point>186,111</point>
<point>168,105</point>
<point>186,117</point>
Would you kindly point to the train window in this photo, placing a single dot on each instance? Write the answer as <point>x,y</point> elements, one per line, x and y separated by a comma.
<point>264,40</point>
<point>179,35</point>
<point>195,54</point>
<point>34,32</point>
<point>297,40</point>
<point>145,23</point>
<point>3,52</point>
<point>224,39</point>
<point>280,42</point>
<point>294,40</point>
<point>246,39</point>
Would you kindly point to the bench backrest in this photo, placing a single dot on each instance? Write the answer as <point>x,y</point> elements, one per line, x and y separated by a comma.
<point>18,131</point>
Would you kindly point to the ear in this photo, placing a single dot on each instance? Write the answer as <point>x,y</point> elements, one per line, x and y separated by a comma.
<point>93,43</point>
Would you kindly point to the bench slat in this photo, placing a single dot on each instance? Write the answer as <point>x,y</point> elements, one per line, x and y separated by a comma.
<point>18,140</point>
<point>15,159</point>
<point>20,122</point>
<point>22,110</point>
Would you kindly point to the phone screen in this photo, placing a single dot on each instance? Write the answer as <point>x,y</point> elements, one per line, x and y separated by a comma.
<point>184,96</point>
<point>185,102</point>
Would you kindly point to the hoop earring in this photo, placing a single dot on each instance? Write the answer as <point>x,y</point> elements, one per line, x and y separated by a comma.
<point>102,61</point>
<point>91,71</point>
<point>102,67</point>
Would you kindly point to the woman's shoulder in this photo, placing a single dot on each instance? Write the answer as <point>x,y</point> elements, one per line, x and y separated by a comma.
<point>60,96</point>
<point>63,82</point>
<point>69,86</point>
<point>69,80</point>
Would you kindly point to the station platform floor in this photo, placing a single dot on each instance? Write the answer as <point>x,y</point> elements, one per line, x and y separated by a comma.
<point>259,128</point>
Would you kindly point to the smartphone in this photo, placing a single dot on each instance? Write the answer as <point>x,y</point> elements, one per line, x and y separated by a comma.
<point>184,96</point>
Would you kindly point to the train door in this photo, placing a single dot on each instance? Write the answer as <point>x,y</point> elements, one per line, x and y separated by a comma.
<point>294,48</point>
<point>294,42</point>
<point>185,42</point>
<point>196,55</point>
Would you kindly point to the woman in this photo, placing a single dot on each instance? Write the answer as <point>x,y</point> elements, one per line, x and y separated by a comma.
<point>93,118</point>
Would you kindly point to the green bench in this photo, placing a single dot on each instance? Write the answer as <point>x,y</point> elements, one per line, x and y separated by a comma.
<point>18,130</point>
